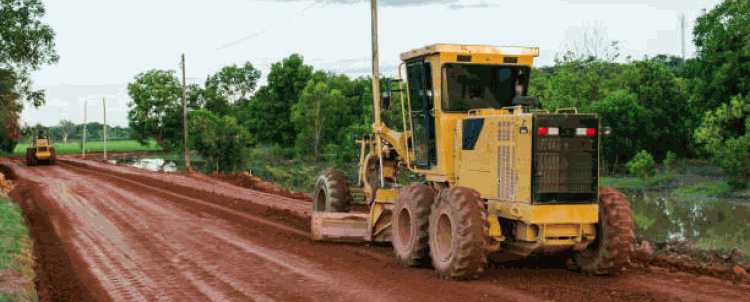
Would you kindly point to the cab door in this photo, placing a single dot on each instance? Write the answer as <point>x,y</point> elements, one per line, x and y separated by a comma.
<point>422,113</point>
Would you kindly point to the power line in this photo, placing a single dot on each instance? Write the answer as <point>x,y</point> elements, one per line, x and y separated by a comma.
<point>265,30</point>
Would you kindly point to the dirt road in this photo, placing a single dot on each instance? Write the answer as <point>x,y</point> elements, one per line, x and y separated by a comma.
<point>112,233</point>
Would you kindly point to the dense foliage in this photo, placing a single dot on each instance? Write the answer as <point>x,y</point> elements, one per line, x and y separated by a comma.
<point>26,44</point>
<point>655,105</point>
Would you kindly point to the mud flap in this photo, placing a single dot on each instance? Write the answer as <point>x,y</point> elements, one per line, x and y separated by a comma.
<point>327,226</point>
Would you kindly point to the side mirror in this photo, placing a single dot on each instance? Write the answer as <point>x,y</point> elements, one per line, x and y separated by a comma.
<point>607,130</point>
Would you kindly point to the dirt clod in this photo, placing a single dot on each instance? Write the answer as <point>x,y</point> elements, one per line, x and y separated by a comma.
<point>645,250</point>
<point>740,272</point>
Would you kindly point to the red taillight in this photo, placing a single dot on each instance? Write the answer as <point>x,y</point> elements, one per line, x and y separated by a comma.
<point>541,130</point>
<point>590,131</point>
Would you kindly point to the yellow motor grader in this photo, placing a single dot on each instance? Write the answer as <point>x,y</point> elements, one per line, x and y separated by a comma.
<point>497,175</point>
<point>41,152</point>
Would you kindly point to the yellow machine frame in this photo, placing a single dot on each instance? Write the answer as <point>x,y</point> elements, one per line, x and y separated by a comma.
<point>545,228</point>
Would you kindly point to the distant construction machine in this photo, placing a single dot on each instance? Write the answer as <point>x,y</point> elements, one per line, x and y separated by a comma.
<point>41,152</point>
<point>497,175</point>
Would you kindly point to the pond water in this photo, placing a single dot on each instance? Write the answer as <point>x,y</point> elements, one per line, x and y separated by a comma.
<point>710,223</point>
<point>151,164</point>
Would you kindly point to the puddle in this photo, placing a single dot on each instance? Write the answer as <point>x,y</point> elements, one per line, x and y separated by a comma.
<point>150,164</point>
<point>709,223</point>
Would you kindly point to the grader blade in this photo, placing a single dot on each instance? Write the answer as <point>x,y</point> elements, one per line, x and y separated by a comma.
<point>340,226</point>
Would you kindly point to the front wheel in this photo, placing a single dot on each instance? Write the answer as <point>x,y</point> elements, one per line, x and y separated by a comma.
<point>459,234</point>
<point>615,239</point>
<point>411,215</point>
<point>332,192</point>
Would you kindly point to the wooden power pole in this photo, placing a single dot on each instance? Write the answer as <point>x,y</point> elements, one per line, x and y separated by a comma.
<point>184,113</point>
<point>85,107</point>
<point>104,102</point>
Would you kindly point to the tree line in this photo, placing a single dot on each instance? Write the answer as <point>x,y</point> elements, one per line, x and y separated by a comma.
<point>694,108</point>
<point>67,131</point>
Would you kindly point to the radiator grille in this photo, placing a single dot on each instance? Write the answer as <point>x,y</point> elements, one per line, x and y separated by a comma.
<point>565,166</point>
<point>506,132</point>
<point>506,175</point>
<point>42,149</point>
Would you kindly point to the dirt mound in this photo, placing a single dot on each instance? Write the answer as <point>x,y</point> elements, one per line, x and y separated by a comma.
<point>685,256</point>
<point>247,180</point>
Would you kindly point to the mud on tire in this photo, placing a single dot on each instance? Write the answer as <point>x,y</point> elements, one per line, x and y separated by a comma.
<point>459,234</point>
<point>615,238</point>
<point>411,218</point>
<point>332,192</point>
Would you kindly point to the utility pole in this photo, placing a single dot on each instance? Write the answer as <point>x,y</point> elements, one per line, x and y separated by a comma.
<point>682,26</point>
<point>184,113</point>
<point>104,102</point>
<point>85,107</point>
<point>376,85</point>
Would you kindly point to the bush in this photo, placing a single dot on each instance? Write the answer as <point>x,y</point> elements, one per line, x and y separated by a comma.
<point>642,165</point>
<point>671,157</point>
<point>735,160</point>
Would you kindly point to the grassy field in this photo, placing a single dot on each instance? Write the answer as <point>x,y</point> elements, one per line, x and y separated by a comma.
<point>15,253</point>
<point>113,146</point>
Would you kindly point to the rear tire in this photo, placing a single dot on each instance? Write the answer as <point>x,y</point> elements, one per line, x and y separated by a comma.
<point>30,156</point>
<point>332,192</point>
<point>459,234</point>
<point>411,218</point>
<point>52,157</point>
<point>615,238</point>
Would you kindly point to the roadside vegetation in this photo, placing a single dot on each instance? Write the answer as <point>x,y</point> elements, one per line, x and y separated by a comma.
<point>16,258</point>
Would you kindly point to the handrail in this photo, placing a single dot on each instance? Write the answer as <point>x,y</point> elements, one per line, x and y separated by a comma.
<point>566,109</point>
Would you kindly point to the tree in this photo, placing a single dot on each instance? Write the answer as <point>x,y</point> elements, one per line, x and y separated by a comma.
<point>658,91</point>
<point>234,83</point>
<point>620,110</point>
<point>25,44</point>
<point>729,146</point>
<point>218,139</point>
<point>67,128</point>
<point>316,115</point>
<point>9,111</point>
<point>156,110</point>
<point>722,68</point>
<point>270,110</point>
<point>216,103</point>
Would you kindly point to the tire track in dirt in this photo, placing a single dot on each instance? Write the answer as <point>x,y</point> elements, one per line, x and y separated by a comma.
<point>382,255</point>
<point>168,247</point>
<point>130,218</point>
<point>258,220</point>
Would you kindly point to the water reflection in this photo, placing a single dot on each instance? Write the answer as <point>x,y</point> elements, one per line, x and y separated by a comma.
<point>150,164</point>
<point>712,223</point>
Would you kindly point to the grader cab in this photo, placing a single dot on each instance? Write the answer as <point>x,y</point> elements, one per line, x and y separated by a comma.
<point>497,175</point>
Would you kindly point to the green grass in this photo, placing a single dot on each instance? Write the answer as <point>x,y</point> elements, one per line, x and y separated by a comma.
<point>112,146</point>
<point>708,190</point>
<point>13,232</point>
<point>12,229</point>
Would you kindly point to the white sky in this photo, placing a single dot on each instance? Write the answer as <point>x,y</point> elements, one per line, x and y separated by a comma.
<point>103,45</point>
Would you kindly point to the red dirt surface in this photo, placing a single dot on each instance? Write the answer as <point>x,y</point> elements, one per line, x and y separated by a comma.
<point>111,233</point>
<point>247,180</point>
